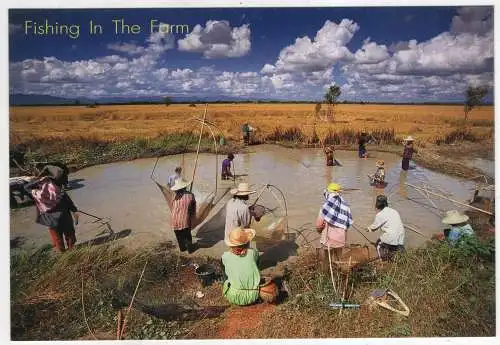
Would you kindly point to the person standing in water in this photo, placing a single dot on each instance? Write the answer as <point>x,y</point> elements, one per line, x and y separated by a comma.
<point>238,213</point>
<point>362,141</point>
<point>407,153</point>
<point>330,159</point>
<point>226,167</point>
<point>176,176</point>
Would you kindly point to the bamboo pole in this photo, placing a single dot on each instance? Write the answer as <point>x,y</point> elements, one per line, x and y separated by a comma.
<point>415,230</point>
<point>198,149</point>
<point>449,199</point>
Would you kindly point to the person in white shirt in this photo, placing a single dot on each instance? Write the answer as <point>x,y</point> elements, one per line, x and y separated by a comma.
<point>393,232</point>
<point>238,213</point>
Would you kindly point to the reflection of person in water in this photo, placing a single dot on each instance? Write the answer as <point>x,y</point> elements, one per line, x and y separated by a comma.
<point>403,177</point>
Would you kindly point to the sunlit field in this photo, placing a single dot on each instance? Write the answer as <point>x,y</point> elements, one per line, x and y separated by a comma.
<point>118,122</point>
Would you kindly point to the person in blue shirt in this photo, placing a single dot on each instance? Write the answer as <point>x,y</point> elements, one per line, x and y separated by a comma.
<point>459,226</point>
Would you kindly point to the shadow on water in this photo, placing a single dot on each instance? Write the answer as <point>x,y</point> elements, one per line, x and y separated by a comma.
<point>105,239</point>
<point>75,184</point>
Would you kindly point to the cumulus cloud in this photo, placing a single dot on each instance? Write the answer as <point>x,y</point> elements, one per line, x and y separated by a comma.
<point>128,48</point>
<point>217,40</point>
<point>327,48</point>
<point>477,20</point>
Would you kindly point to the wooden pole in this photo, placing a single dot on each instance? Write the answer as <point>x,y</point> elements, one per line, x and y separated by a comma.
<point>415,230</point>
<point>449,199</point>
<point>198,149</point>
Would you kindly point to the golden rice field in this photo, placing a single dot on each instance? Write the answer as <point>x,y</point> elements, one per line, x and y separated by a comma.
<point>118,122</point>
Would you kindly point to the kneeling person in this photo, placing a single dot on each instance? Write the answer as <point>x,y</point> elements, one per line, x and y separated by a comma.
<point>240,266</point>
<point>389,222</point>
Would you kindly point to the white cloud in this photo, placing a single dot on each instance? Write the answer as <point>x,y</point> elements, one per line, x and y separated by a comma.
<point>478,20</point>
<point>128,48</point>
<point>371,53</point>
<point>217,40</point>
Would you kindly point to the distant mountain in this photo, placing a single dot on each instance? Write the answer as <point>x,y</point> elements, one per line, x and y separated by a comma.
<point>22,99</point>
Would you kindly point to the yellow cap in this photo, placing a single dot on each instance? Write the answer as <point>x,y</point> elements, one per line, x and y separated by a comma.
<point>334,187</point>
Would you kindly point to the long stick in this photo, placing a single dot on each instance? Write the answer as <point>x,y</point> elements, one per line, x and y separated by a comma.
<point>450,199</point>
<point>415,230</point>
<point>132,301</point>
<point>198,149</point>
<point>331,271</point>
<point>355,228</point>
<point>258,196</point>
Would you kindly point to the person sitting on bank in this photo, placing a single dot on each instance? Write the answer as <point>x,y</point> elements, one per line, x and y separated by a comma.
<point>240,265</point>
<point>407,153</point>
<point>379,177</point>
<point>393,232</point>
<point>459,226</point>
<point>226,167</point>
<point>238,213</point>
<point>334,219</point>
<point>176,176</point>
<point>330,159</point>
<point>183,211</point>
<point>55,209</point>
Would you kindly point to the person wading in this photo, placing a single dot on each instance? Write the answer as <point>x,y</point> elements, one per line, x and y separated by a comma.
<point>55,209</point>
<point>240,265</point>
<point>183,210</point>
<point>393,232</point>
<point>362,141</point>
<point>176,176</point>
<point>226,167</point>
<point>379,177</point>
<point>238,213</point>
<point>407,153</point>
<point>330,159</point>
<point>334,219</point>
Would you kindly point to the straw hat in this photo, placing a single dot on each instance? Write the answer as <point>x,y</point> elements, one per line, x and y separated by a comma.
<point>409,138</point>
<point>180,184</point>
<point>380,163</point>
<point>454,217</point>
<point>243,189</point>
<point>334,187</point>
<point>239,236</point>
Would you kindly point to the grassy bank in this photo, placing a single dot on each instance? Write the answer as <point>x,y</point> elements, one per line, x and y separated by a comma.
<point>450,292</point>
<point>83,152</point>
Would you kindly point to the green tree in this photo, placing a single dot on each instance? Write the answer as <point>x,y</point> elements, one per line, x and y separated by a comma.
<point>331,98</point>
<point>473,98</point>
<point>167,101</point>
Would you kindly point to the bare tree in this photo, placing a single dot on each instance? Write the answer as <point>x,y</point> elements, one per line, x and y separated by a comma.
<point>331,97</point>
<point>473,98</point>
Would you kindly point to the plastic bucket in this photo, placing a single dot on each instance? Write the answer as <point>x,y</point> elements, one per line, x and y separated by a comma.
<point>206,274</point>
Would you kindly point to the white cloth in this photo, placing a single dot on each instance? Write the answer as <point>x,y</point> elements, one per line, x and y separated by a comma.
<point>389,222</point>
<point>237,215</point>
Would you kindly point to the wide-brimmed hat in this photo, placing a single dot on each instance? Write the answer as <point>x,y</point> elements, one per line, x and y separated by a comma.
<point>409,138</point>
<point>243,189</point>
<point>379,163</point>
<point>333,187</point>
<point>454,217</point>
<point>238,237</point>
<point>180,184</point>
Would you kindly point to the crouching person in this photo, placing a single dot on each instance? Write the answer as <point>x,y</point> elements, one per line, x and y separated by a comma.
<point>459,227</point>
<point>393,231</point>
<point>240,265</point>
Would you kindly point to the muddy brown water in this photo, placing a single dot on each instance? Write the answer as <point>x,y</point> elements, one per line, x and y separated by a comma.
<point>125,193</point>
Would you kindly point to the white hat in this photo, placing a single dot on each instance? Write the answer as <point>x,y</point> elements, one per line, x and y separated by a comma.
<point>409,138</point>
<point>180,184</point>
<point>454,217</point>
<point>239,236</point>
<point>243,189</point>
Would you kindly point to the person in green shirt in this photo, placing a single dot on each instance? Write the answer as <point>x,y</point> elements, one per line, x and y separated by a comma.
<point>241,268</point>
<point>246,133</point>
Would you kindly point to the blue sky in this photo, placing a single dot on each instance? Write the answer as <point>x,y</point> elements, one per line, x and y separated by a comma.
<point>399,54</point>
